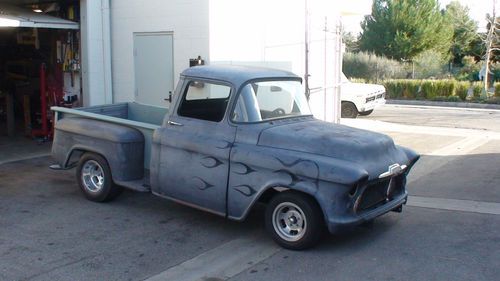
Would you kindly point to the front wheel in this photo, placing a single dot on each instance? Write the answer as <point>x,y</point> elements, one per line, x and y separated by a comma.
<point>94,178</point>
<point>366,113</point>
<point>348,110</point>
<point>294,220</point>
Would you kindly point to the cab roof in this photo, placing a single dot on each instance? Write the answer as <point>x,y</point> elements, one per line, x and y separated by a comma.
<point>235,74</point>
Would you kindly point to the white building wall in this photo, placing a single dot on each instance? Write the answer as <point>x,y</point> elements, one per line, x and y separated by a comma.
<point>272,33</point>
<point>92,52</point>
<point>187,20</point>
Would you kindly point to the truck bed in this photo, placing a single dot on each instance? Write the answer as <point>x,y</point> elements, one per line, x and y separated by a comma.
<point>145,118</point>
<point>132,111</point>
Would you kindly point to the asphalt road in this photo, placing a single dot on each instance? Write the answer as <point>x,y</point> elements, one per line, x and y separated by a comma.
<point>448,231</point>
<point>449,117</point>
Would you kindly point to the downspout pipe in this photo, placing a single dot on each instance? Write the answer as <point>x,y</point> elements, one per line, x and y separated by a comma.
<point>107,51</point>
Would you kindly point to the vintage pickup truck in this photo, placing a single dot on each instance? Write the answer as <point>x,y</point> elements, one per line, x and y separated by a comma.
<point>232,137</point>
<point>360,98</point>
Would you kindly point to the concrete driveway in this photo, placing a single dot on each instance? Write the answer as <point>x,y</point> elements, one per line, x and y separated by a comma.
<point>448,231</point>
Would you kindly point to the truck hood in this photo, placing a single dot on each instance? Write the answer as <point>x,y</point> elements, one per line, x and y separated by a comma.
<point>360,88</point>
<point>372,151</point>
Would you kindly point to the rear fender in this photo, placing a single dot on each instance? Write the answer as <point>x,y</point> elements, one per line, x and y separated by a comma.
<point>121,146</point>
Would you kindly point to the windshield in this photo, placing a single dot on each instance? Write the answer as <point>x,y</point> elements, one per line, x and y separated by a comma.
<point>261,101</point>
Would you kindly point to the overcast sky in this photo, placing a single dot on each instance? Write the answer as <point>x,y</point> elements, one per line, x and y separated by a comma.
<point>478,10</point>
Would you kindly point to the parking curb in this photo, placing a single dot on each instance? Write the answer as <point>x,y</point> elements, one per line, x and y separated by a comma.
<point>445,104</point>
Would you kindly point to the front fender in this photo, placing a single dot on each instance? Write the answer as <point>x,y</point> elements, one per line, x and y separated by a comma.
<point>412,156</point>
<point>255,169</point>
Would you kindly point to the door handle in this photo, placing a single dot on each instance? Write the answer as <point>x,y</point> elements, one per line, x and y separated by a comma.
<point>174,123</point>
<point>169,99</point>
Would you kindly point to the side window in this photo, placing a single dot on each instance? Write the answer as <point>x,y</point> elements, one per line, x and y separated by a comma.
<point>204,100</point>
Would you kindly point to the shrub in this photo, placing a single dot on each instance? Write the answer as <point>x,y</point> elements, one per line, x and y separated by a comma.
<point>430,64</point>
<point>477,89</point>
<point>469,71</point>
<point>373,68</point>
<point>461,89</point>
<point>497,89</point>
<point>493,100</point>
<point>402,88</point>
<point>438,90</point>
<point>454,99</point>
<point>440,98</point>
<point>434,88</point>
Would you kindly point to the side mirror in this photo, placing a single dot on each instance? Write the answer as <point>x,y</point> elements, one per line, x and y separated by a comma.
<point>169,99</point>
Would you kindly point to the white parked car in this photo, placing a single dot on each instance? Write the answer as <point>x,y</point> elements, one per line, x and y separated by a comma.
<point>360,98</point>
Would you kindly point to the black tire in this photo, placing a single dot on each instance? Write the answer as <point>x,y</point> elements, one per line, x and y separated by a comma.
<point>312,222</point>
<point>366,113</point>
<point>98,186</point>
<point>348,110</point>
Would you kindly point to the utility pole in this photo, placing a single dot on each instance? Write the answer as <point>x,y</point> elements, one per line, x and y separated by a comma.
<point>306,47</point>
<point>489,42</point>
<point>337,103</point>
<point>325,77</point>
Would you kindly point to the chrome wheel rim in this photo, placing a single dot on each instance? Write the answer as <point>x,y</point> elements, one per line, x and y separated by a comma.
<point>289,221</point>
<point>92,176</point>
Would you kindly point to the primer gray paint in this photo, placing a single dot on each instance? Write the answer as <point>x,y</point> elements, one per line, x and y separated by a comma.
<point>224,168</point>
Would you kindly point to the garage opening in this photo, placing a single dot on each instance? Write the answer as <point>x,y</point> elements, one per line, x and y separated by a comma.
<point>40,62</point>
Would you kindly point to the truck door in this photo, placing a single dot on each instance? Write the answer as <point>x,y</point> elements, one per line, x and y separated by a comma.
<point>195,147</point>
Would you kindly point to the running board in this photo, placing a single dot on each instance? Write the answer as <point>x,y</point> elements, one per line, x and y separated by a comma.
<point>58,167</point>
<point>136,185</point>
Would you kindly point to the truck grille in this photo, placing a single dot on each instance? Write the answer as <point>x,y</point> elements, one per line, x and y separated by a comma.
<point>370,99</point>
<point>379,192</point>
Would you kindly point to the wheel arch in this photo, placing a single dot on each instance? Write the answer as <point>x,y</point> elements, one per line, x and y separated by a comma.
<point>121,170</point>
<point>267,193</point>
<point>346,105</point>
<point>76,153</point>
<point>350,102</point>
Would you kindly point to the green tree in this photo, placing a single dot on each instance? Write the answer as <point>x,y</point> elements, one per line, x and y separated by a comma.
<point>477,47</point>
<point>351,42</point>
<point>403,29</point>
<point>464,31</point>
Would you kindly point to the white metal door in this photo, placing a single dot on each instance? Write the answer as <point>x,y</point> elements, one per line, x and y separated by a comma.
<point>154,67</point>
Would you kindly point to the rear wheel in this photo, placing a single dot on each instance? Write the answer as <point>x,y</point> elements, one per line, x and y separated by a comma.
<point>294,220</point>
<point>94,178</point>
<point>348,110</point>
<point>365,113</point>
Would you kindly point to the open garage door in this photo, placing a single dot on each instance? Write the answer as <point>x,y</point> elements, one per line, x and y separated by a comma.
<point>39,65</point>
<point>12,16</point>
